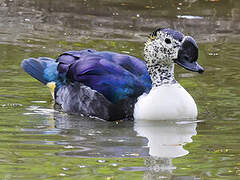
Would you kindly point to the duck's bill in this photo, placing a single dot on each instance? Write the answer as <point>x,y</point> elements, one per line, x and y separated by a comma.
<point>188,55</point>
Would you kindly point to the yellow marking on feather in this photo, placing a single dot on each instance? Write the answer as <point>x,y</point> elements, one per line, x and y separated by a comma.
<point>152,37</point>
<point>52,86</point>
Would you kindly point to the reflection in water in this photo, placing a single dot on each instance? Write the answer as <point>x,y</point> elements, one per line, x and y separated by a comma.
<point>165,141</point>
<point>158,141</point>
<point>90,137</point>
<point>165,138</point>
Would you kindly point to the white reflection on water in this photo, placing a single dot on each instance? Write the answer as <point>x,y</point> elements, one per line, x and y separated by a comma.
<point>165,141</point>
<point>166,138</point>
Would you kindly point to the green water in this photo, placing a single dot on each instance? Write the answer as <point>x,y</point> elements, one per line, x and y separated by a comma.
<point>37,142</point>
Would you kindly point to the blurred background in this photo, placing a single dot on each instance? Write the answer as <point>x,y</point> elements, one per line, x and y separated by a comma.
<point>76,20</point>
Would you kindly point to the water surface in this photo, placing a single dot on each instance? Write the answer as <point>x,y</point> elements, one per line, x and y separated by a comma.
<point>38,142</point>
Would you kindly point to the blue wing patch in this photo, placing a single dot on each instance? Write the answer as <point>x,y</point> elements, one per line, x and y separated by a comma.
<point>116,76</point>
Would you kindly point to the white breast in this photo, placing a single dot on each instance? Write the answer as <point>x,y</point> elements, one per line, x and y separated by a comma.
<point>166,102</point>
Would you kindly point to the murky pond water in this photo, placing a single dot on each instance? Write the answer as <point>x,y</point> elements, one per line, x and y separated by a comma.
<point>37,142</point>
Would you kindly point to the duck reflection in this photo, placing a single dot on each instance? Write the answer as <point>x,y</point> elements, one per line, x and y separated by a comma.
<point>90,137</point>
<point>98,138</point>
<point>165,141</point>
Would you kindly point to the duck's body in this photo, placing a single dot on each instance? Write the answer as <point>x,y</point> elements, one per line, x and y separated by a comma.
<point>93,83</point>
<point>166,102</point>
<point>114,86</point>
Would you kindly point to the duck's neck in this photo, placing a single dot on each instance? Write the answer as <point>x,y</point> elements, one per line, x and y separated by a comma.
<point>161,74</point>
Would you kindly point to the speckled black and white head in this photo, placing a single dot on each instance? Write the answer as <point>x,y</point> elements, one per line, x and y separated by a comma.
<point>165,47</point>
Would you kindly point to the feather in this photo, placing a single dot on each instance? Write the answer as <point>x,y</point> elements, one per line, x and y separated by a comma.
<point>114,75</point>
<point>43,69</point>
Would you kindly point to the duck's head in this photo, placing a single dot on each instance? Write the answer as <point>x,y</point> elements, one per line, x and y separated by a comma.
<point>166,46</point>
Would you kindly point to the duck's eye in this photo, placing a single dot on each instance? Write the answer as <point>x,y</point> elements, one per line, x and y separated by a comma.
<point>168,41</point>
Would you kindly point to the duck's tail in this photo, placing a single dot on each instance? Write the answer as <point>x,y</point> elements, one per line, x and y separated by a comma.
<point>43,69</point>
